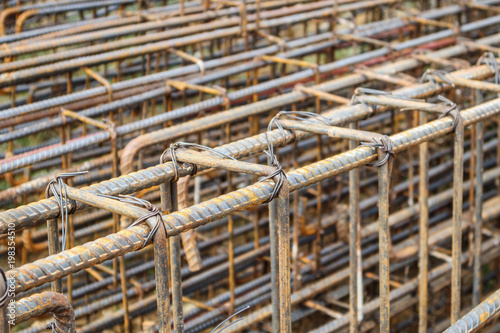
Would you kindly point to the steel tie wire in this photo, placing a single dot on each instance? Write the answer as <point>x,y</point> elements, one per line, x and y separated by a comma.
<point>155,212</point>
<point>62,200</point>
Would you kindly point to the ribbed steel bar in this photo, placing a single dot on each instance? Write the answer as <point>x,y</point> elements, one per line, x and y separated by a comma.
<point>48,302</point>
<point>119,131</point>
<point>325,283</point>
<point>40,183</point>
<point>12,38</point>
<point>370,29</point>
<point>458,151</point>
<point>76,28</point>
<point>186,327</point>
<point>355,250</point>
<point>479,316</point>
<point>31,275</point>
<point>322,276</point>
<point>204,318</point>
<point>465,186</point>
<point>211,121</point>
<point>423,255</point>
<point>43,9</point>
<point>374,305</point>
<point>169,74</point>
<point>278,230</point>
<point>159,240</point>
<point>282,239</point>
<point>151,37</point>
<point>169,200</point>
<point>478,210</point>
<point>21,76</point>
<point>129,184</point>
<point>384,176</point>
<point>158,90</point>
<point>434,201</point>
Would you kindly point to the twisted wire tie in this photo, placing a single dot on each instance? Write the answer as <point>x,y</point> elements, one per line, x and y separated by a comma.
<point>383,143</point>
<point>61,197</point>
<point>154,212</point>
<point>309,117</point>
<point>273,161</point>
<point>430,74</point>
<point>453,111</point>
<point>488,58</point>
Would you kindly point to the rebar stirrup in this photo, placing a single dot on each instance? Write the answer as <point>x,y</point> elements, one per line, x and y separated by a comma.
<point>367,91</point>
<point>176,145</point>
<point>324,127</point>
<point>296,115</point>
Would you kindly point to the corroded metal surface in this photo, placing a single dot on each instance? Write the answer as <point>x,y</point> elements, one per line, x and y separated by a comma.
<point>48,302</point>
<point>323,166</point>
<point>479,316</point>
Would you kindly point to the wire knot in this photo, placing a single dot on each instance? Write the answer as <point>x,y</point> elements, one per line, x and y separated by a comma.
<point>453,111</point>
<point>430,75</point>
<point>58,189</point>
<point>279,173</point>
<point>383,143</point>
<point>154,212</point>
<point>488,58</point>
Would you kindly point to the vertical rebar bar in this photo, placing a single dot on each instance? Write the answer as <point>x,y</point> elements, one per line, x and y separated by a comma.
<point>283,231</point>
<point>355,279</point>
<point>169,202</point>
<point>423,256</point>
<point>274,251</point>
<point>161,263</point>
<point>478,225</point>
<point>53,246</point>
<point>384,239</point>
<point>457,220</point>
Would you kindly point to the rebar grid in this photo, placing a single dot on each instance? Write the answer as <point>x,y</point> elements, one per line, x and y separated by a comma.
<point>342,245</point>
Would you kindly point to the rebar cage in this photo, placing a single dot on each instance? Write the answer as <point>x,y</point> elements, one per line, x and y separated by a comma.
<point>319,166</point>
